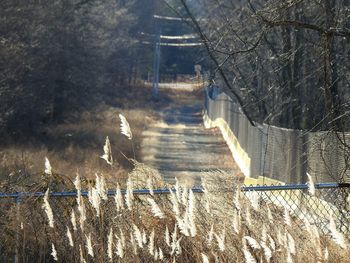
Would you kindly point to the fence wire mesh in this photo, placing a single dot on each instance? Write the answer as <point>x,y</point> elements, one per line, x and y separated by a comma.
<point>26,232</point>
<point>282,154</point>
<point>329,200</point>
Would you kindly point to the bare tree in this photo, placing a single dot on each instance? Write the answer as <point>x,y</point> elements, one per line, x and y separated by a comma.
<point>283,62</point>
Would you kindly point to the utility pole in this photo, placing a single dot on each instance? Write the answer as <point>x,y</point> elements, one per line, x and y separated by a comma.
<point>156,64</point>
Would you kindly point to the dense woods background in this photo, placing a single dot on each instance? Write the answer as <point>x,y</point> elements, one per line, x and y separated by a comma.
<point>286,62</point>
<point>60,55</point>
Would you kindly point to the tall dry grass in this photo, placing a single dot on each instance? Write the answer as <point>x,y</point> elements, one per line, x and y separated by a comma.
<point>73,147</point>
<point>220,225</point>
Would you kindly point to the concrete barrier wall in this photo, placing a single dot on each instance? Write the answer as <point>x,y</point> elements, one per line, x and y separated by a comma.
<point>268,153</point>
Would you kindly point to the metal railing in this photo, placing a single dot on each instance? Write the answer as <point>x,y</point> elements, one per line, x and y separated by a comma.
<point>329,200</point>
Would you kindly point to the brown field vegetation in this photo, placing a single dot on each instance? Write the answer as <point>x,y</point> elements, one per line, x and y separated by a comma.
<point>221,225</point>
<point>75,144</point>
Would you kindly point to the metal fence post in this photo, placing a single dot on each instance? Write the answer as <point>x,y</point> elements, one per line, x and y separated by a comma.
<point>16,256</point>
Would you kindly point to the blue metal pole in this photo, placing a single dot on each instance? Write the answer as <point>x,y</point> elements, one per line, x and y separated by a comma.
<point>199,190</point>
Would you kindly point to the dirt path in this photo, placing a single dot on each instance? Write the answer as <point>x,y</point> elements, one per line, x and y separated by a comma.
<point>179,145</point>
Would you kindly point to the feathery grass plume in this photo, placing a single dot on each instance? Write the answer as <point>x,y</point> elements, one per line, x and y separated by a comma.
<point>287,219</point>
<point>120,250</point>
<point>22,226</point>
<point>207,203</point>
<point>291,244</point>
<point>263,244</point>
<point>248,257</point>
<point>46,206</point>
<point>191,215</point>
<point>289,256</point>
<point>316,239</point>
<point>122,238</point>
<point>73,220</point>
<point>90,194</point>
<point>206,195</point>
<point>77,184</point>
<point>174,201</point>
<point>150,186</point>
<point>80,202</point>
<point>254,198</point>
<point>263,233</point>
<point>82,260</point>
<point>183,224</point>
<point>177,190</point>
<point>247,216</point>
<point>252,242</point>
<point>125,127</point>
<point>281,238</point>
<point>118,199</point>
<point>107,152</point>
<point>204,258</point>
<point>89,245</point>
<point>285,238</point>
<point>116,235</point>
<point>54,252</point>
<point>155,208</point>
<point>314,235</point>
<point>101,187</point>
<point>167,236</point>
<point>184,196</point>
<point>110,244</point>
<point>272,242</point>
<point>326,254</point>
<point>267,251</point>
<point>160,254</point>
<point>311,185</point>
<point>307,224</point>
<point>269,214</point>
<point>144,237</point>
<point>133,243</point>
<point>98,184</point>
<point>151,243</point>
<point>48,168</point>
<point>174,239</point>
<point>221,240</point>
<point>155,253</point>
<point>178,249</point>
<point>129,196</point>
<point>82,212</point>
<point>211,234</point>
<point>236,221</point>
<point>336,235</point>
<point>236,200</point>
<point>204,184</point>
<point>137,235</point>
<point>192,228</point>
<point>95,200</point>
<point>70,238</point>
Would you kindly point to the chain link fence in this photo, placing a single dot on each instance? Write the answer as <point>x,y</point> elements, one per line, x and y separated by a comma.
<point>329,200</point>
<point>282,154</point>
<point>26,234</point>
